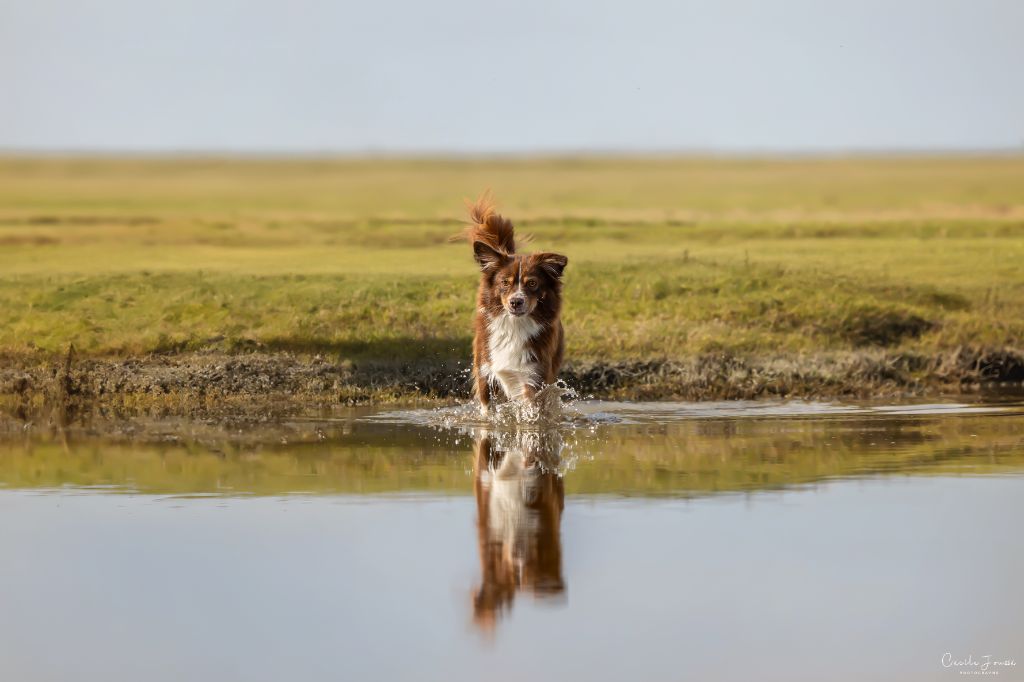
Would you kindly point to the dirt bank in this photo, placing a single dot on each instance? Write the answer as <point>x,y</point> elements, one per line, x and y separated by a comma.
<point>200,383</point>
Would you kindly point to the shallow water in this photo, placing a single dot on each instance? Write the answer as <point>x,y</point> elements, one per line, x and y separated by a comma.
<point>616,541</point>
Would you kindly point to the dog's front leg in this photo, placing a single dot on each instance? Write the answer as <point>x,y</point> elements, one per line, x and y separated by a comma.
<point>483,393</point>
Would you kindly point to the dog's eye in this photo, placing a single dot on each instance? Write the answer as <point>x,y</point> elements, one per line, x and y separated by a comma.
<point>506,283</point>
<point>531,283</point>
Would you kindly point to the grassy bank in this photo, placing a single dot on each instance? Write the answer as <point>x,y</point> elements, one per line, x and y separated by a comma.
<point>752,260</point>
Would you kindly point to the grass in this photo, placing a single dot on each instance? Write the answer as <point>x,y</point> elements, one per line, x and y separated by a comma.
<point>669,258</point>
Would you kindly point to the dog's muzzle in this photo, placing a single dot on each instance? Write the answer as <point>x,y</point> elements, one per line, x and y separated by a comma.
<point>517,305</point>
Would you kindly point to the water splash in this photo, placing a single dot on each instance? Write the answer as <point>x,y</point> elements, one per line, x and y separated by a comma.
<point>547,427</point>
<point>553,407</point>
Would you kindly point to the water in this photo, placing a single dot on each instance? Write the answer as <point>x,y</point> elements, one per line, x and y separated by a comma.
<point>719,541</point>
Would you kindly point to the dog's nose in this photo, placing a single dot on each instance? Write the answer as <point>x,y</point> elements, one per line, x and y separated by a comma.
<point>517,302</point>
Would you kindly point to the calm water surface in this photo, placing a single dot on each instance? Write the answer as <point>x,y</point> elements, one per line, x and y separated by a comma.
<point>662,541</point>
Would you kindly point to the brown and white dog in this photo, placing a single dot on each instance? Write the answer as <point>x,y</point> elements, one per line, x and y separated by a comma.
<point>519,341</point>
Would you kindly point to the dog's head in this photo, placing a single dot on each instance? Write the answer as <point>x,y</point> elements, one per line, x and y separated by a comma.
<point>521,283</point>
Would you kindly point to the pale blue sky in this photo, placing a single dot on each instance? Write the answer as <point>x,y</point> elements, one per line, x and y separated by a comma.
<point>523,76</point>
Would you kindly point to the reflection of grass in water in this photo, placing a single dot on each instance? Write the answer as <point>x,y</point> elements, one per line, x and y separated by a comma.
<point>682,459</point>
<point>733,456</point>
<point>668,258</point>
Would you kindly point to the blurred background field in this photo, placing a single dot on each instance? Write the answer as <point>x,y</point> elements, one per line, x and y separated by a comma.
<point>669,257</point>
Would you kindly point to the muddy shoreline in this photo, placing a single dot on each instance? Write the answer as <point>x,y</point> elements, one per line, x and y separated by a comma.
<point>281,383</point>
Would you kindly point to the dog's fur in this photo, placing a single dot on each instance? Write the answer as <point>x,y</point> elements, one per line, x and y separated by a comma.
<point>519,341</point>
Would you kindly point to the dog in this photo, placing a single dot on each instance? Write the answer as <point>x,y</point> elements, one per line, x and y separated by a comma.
<point>518,341</point>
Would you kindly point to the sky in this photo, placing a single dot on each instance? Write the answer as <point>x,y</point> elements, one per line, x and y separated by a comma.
<point>528,76</point>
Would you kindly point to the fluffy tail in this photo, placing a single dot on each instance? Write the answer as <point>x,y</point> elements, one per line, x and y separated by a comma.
<point>487,226</point>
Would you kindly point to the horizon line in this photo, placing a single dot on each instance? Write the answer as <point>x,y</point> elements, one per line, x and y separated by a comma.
<point>499,154</point>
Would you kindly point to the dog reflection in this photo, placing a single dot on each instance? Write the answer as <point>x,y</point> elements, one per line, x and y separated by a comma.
<point>519,500</point>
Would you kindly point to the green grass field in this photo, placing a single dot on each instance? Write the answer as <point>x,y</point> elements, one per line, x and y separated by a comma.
<point>669,258</point>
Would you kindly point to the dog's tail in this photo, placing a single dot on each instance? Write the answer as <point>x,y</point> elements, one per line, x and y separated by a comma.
<point>487,226</point>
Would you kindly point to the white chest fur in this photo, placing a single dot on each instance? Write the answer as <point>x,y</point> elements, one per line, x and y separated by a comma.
<point>512,363</point>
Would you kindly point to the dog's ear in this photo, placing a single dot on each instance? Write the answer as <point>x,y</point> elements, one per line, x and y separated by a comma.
<point>489,258</point>
<point>552,263</point>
